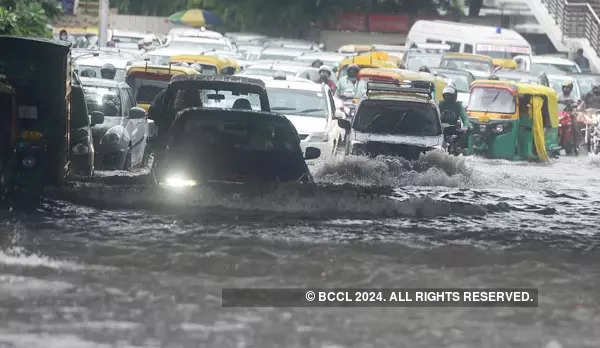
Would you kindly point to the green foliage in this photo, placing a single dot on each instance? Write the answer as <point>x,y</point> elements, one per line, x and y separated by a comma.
<point>281,17</point>
<point>27,17</point>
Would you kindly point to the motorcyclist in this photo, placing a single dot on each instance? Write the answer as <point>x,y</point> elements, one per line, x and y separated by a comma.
<point>566,94</point>
<point>592,99</point>
<point>451,104</point>
<point>108,71</point>
<point>348,83</point>
<point>325,74</point>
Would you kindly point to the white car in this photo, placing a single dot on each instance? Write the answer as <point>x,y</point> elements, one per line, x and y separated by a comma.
<point>197,45</point>
<point>281,54</point>
<point>311,109</point>
<point>90,66</point>
<point>131,40</point>
<point>289,70</point>
<point>331,59</point>
<point>547,64</point>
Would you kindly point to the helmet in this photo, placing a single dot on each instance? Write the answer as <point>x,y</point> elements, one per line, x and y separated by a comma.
<point>424,68</point>
<point>108,71</point>
<point>567,83</point>
<point>317,63</point>
<point>353,70</point>
<point>449,90</point>
<point>325,68</point>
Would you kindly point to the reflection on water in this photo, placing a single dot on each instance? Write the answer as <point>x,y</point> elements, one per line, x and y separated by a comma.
<point>114,262</point>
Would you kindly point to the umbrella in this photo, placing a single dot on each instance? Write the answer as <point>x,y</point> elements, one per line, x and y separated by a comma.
<point>195,18</point>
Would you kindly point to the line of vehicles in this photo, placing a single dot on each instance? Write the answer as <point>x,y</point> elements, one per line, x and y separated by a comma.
<point>241,107</point>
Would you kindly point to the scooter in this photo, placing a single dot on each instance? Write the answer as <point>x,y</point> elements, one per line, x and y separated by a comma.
<point>455,138</point>
<point>567,132</point>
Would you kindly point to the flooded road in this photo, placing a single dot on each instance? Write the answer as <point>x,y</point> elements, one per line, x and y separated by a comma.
<point>107,264</point>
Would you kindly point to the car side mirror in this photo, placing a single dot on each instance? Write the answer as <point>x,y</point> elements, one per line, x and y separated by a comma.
<point>97,117</point>
<point>312,153</point>
<point>344,123</point>
<point>136,113</point>
<point>339,115</point>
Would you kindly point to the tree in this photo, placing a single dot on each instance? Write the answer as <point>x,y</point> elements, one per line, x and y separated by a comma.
<point>27,17</point>
<point>475,7</point>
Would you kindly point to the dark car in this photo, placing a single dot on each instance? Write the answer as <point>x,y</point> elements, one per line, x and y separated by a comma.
<point>120,141</point>
<point>209,145</point>
<point>82,144</point>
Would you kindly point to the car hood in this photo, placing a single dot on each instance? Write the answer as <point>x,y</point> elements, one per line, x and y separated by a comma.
<point>307,124</point>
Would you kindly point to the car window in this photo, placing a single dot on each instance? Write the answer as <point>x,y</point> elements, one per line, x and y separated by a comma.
<point>298,102</point>
<point>103,99</point>
<point>242,148</point>
<point>465,64</point>
<point>79,113</point>
<point>397,118</point>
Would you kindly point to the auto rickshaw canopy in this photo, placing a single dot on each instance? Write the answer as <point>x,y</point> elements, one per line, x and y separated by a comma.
<point>220,63</point>
<point>405,75</point>
<point>369,60</point>
<point>156,72</point>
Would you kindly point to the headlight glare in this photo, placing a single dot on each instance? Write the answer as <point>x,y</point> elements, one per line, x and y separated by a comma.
<point>179,181</point>
<point>29,162</point>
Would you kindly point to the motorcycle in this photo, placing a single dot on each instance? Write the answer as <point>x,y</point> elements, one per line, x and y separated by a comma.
<point>455,136</point>
<point>591,119</point>
<point>567,131</point>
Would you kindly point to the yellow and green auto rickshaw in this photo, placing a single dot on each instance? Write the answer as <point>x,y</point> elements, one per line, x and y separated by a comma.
<point>208,65</point>
<point>514,121</point>
<point>148,80</point>
<point>400,75</point>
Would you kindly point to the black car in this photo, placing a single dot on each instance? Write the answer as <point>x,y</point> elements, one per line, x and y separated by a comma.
<point>209,145</point>
<point>82,145</point>
<point>120,141</point>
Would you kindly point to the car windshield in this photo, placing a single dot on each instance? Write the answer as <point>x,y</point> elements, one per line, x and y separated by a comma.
<point>499,54</point>
<point>103,99</point>
<point>267,56</point>
<point>498,100</point>
<point>397,118</point>
<point>460,81</point>
<point>539,68</point>
<point>414,62</point>
<point>158,59</point>
<point>223,99</point>
<point>244,148</point>
<point>94,71</point>
<point>466,64</point>
<point>586,83</point>
<point>298,102</point>
<point>147,93</point>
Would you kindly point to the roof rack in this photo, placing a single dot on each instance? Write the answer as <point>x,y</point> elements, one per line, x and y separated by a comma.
<point>423,88</point>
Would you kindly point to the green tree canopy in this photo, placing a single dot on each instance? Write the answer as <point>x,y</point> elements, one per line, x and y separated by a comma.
<point>27,17</point>
<point>278,17</point>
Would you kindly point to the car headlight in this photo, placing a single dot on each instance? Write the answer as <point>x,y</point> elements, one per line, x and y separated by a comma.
<point>319,136</point>
<point>80,149</point>
<point>179,181</point>
<point>29,162</point>
<point>499,128</point>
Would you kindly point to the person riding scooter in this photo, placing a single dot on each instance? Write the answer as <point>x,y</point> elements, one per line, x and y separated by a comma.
<point>452,112</point>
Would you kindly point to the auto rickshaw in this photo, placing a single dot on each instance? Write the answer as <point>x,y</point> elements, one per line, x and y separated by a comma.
<point>39,73</point>
<point>367,60</point>
<point>208,65</point>
<point>148,80</point>
<point>514,121</point>
<point>400,75</point>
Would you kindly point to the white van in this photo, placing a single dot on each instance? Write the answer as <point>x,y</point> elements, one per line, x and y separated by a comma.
<point>468,38</point>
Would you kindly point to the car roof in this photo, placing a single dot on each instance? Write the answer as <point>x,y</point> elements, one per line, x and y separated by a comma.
<point>98,82</point>
<point>190,113</point>
<point>304,85</point>
<point>236,79</point>
<point>467,56</point>
<point>551,60</point>
<point>118,62</point>
<point>453,71</point>
<point>281,67</point>
<point>117,32</point>
<point>282,51</point>
<point>399,98</point>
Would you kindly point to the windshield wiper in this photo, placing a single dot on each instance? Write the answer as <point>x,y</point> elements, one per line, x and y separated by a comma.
<point>310,110</point>
<point>282,108</point>
<point>492,102</point>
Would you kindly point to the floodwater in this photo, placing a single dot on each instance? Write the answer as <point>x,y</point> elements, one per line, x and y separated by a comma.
<point>115,263</point>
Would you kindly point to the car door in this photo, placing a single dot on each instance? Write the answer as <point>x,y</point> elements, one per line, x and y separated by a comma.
<point>136,128</point>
